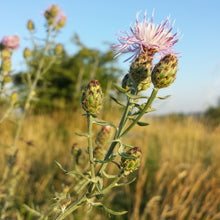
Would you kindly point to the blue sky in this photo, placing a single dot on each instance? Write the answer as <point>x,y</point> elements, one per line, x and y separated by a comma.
<point>198,81</point>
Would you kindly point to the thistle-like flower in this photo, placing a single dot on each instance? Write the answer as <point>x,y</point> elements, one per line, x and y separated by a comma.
<point>11,42</point>
<point>146,37</point>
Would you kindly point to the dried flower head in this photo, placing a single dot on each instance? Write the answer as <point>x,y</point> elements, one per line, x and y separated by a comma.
<point>147,37</point>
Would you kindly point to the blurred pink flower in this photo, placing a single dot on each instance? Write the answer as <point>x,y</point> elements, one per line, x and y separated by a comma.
<point>146,37</point>
<point>11,42</point>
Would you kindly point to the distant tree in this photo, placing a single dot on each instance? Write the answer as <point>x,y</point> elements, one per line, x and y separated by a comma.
<point>61,86</point>
<point>213,114</point>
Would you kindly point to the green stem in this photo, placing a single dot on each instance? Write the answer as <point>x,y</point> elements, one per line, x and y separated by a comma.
<point>117,134</point>
<point>113,183</point>
<point>71,208</point>
<point>91,160</point>
<point>149,102</point>
<point>32,89</point>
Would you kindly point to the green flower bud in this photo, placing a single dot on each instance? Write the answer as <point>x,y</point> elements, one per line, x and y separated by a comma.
<point>14,97</point>
<point>92,97</point>
<point>141,68</point>
<point>5,53</point>
<point>103,135</point>
<point>98,153</point>
<point>58,49</point>
<point>30,25</point>
<point>129,165</point>
<point>26,53</point>
<point>54,11</point>
<point>145,84</point>
<point>6,64</point>
<point>126,82</point>
<point>164,73</point>
<point>62,22</point>
<point>7,79</point>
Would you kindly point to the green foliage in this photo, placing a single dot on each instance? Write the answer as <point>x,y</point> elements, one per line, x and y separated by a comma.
<point>61,86</point>
<point>213,114</point>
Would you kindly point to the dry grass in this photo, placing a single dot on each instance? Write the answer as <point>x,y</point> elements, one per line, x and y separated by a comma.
<point>179,178</point>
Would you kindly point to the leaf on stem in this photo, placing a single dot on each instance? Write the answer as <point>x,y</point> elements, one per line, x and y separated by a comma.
<point>109,176</point>
<point>120,89</point>
<point>117,101</point>
<point>140,123</point>
<point>125,183</point>
<point>99,204</point>
<point>136,96</point>
<point>165,97</point>
<point>103,123</point>
<point>81,134</point>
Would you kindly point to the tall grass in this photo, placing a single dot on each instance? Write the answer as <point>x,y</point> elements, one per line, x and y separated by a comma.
<point>179,177</point>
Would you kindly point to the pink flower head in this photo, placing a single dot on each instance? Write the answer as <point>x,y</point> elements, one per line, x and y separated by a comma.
<point>146,37</point>
<point>11,42</point>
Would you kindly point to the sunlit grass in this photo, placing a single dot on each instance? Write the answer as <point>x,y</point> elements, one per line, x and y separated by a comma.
<point>179,155</point>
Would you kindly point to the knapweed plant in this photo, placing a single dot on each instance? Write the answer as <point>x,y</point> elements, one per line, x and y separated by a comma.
<point>145,43</point>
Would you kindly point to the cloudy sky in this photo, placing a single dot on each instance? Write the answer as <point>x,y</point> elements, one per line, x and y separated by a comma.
<point>198,81</point>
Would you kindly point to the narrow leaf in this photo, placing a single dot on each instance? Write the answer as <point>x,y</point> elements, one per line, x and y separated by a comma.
<point>126,183</point>
<point>117,101</point>
<point>99,204</point>
<point>142,123</point>
<point>136,96</point>
<point>165,97</point>
<point>109,176</point>
<point>103,123</point>
<point>120,89</point>
<point>81,134</point>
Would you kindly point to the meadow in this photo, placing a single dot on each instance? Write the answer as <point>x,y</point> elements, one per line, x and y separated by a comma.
<point>60,161</point>
<point>178,179</point>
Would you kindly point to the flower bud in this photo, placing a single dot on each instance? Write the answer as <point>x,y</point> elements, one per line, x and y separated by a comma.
<point>5,53</point>
<point>30,25</point>
<point>92,97</point>
<point>58,49</point>
<point>98,153</point>
<point>131,164</point>
<point>62,22</point>
<point>145,84</point>
<point>103,135</point>
<point>26,53</point>
<point>54,11</point>
<point>164,73</point>
<point>14,97</point>
<point>126,82</point>
<point>141,68</point>
<point>6,64</point>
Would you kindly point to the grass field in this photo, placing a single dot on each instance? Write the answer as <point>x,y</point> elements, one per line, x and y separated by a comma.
<point>179,177</point>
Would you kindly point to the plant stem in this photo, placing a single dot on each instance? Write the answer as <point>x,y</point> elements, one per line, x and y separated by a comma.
<point>149,102</point>
<point>113,183</point>
<point>91,161</point>
<point>32,89</point>
<point>117,134</point>
<point>71,208</point>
